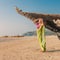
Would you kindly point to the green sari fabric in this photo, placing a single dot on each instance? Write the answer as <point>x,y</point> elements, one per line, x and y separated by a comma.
<point>41,38</point>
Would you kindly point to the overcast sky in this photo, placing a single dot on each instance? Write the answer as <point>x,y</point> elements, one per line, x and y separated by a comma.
<point>11,23</point>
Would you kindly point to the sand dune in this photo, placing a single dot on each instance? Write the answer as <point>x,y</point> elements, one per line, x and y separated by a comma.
<point>27,48</point>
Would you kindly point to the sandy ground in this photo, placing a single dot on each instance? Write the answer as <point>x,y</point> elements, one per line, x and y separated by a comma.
<point>27,48</point>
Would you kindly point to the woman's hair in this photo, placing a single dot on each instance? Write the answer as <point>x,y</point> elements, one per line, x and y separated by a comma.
<point>38,20</point>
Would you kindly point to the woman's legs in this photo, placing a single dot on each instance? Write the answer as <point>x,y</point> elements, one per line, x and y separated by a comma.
<point>43,38</point>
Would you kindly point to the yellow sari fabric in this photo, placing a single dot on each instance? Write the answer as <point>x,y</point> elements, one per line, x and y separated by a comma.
<point>41,38</point>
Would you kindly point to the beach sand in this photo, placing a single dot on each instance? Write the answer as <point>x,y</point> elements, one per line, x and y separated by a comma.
<point>27,48</point>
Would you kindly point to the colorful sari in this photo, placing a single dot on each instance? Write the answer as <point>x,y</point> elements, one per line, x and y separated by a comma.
<point>41,38</point>
<point>41,35</point>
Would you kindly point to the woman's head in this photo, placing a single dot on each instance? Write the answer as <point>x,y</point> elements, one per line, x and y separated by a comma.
<point>39,20</point>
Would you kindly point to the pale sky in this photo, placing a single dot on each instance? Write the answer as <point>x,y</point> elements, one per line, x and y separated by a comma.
<point>11,23</point>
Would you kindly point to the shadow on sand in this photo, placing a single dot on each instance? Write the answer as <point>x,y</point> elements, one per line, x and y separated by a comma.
<point>53,50</point>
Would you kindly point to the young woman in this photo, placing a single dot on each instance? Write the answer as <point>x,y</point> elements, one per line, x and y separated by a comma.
<point>41,33</point>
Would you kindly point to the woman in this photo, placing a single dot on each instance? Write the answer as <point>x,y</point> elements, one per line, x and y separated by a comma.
<point>40,33</point>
